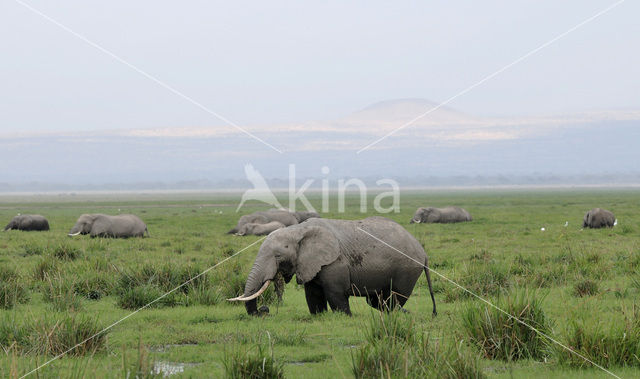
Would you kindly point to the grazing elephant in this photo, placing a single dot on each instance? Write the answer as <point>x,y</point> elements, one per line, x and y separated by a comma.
<point>28,223</point>
<point>335,259</point>
<point>259,229</point>
<point>262,217</point>
<point>598,218</point>
<point>100,225</point>
<point>440,215</point>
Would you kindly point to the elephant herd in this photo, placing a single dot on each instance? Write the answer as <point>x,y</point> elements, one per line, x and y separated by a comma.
<point>375,257</point>
<point>96,225</point>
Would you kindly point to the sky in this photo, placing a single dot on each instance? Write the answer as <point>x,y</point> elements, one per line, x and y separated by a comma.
<point>286,62</point>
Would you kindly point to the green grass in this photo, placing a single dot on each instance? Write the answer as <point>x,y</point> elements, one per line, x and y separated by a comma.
<point>62,289</point>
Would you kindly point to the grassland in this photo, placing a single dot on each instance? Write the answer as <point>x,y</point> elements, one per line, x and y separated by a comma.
<point>58,290</point>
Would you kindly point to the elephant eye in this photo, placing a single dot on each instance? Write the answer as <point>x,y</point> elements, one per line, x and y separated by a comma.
<point>286,246</point>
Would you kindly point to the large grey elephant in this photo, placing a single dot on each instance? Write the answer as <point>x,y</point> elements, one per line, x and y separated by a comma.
<point>598,218</point>
<point>335,259</point>
<point>101,225</point>
<point>252,228</point>
<point>262,217</point>
<point>28,223</point>
<point>440,215</point>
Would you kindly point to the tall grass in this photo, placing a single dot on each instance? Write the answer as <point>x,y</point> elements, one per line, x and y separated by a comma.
<point>500,336</point>
<point>396,347</point>
<point>256,362</point>
<point>607,343</point>
<point>12,290</point>
<point>51,336</point>
<point>60,292</point>
<point>485,279</point>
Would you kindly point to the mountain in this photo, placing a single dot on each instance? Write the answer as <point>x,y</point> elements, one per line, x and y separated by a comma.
<point>422,142</point>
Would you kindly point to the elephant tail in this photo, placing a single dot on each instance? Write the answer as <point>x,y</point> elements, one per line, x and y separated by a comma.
<point>428,275</point>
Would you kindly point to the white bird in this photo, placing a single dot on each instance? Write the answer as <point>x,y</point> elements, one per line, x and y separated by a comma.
<point>615,222</point>
<point>566,223</point>
<point>542,229</point>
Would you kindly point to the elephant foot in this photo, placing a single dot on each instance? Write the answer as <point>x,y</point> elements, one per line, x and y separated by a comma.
<point>263,310</point>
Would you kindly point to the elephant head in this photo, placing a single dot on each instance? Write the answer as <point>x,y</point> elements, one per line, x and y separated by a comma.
<point>83,225</point>
<point>10,225</point>
<point>421,215</point>
<point>299,249</point>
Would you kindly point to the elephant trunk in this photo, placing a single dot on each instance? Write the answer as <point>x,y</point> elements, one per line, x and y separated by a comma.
<point>263,271</point>
<point>233,231</point>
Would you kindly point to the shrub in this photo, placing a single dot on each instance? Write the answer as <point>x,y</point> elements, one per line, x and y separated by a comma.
<point>253,364</point>
<point>12,291</point>
<point>500,336</point>
<point>615,345</point>
<point>585,288</point>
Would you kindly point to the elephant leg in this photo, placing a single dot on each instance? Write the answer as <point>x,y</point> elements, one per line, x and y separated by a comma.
<point>338,301</point>
<point>336,285</point>
<point>316,301</point>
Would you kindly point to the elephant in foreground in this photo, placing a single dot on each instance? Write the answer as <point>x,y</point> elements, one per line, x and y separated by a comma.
<point>259,229</point>
<point>262,217</point>
<point>101,225</point>
<point>28,223</point>
<point>440,215</point>
<point>598,218</point>
<point>336,259</point>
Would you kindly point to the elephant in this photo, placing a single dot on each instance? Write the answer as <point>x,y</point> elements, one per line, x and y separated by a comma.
<point>28,223</point>
<point>252,228</point>
<point>440,215</point>
<point>262,217</point>
<point>598,218</point>
<point>303,215</point>
<point>336,259</point>
<point>100,225</point>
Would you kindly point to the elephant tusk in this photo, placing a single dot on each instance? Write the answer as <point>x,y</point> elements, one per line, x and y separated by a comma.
<point>417,221</point>
<point>74,234</point>
<point>260,291</point>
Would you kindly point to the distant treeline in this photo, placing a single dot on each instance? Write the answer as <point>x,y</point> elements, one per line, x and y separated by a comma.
<point>418,181</point>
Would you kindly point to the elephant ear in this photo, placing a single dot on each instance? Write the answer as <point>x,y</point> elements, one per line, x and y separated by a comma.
<point>318,247</point>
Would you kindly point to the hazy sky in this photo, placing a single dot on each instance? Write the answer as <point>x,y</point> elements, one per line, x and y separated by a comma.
<point>274,62</point>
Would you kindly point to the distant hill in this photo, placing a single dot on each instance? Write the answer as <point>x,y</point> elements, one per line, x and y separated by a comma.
<point>444,143</point>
